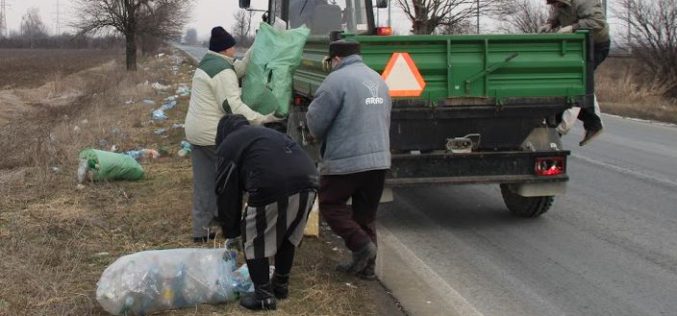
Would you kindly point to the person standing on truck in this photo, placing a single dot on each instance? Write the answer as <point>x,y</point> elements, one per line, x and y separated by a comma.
<point>570,16</point>
<point>350,115</point>
<point>281,182</point>
<point>215,92</point>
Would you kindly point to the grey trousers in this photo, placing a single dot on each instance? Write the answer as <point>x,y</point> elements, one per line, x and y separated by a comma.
<point>204,185</point>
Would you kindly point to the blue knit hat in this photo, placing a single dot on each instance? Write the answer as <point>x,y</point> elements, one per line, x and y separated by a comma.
<point>220,40</point>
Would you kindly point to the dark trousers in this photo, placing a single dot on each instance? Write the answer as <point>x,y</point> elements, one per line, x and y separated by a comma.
<point>587,114</point>
<point>354,224</point>
<point>259,269</point>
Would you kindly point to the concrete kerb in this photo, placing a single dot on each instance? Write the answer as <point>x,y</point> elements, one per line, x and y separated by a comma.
<point>419,289</point>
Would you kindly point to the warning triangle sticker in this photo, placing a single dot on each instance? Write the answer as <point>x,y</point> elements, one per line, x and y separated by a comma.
<point>402,76</point>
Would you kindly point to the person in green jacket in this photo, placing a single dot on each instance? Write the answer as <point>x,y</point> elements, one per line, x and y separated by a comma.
<point>568,16</point>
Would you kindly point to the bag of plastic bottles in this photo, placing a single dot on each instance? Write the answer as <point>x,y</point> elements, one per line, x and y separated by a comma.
<point>104,165</point>
<point>151,281</point>
<point>275,56</point>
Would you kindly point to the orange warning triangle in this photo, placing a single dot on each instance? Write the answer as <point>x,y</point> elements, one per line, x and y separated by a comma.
<point>402,76</point>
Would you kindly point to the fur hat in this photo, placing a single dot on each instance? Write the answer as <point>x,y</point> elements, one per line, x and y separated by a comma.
<point>343,48</point>
<point>220,40</point>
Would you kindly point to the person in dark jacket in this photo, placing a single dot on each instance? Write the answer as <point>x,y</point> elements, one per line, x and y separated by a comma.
<point>350,115</point>
<point>281,182</point>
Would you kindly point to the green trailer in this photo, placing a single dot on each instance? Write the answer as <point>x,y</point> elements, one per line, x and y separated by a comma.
<point>487,111</point>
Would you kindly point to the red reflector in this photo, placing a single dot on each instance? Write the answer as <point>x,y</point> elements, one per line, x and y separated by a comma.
<point>298,101</point>
<point>384,31</point>
<point>548,167</point>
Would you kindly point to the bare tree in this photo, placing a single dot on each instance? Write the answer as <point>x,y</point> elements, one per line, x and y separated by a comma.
<point>428,15</point>
<point>242,27</point>
<point>191,37</point>
<point>163,20</point>
<point>461,27</point>
<point>131,18</point>
<point>32,27</point>
<point>654,37</point>
<point>521,16</point>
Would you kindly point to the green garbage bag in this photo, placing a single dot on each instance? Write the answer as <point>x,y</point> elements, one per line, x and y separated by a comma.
<point>274,57</point>
<point>111,166</point>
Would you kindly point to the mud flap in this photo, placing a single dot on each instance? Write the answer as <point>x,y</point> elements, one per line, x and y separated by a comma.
<point>539,189</point>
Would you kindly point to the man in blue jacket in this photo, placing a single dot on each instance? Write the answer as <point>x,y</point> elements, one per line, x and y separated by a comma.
<point>350,115</point>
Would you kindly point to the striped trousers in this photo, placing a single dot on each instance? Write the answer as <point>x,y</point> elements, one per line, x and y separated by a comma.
<point>265,228</point>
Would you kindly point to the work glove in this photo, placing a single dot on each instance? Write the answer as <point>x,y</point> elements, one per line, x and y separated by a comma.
<point>546,28</point>
<point>566,29</point>
<point>271,118</point>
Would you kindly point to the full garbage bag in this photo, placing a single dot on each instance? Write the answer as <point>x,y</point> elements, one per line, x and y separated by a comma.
<point>275,55</point>
<point>151,281</point>
<point>106,165</point>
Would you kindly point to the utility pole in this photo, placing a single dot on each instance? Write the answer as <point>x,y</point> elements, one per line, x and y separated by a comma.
<point>3,19</point>
<point>478,16</point>
<point>58,18</point>
<point>629,43</point>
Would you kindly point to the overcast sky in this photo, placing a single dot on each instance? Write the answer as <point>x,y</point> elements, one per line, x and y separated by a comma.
<point>205,15</point>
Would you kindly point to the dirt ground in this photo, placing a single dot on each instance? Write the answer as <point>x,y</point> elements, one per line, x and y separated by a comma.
<point>56,240</point>
<point>30,77</point>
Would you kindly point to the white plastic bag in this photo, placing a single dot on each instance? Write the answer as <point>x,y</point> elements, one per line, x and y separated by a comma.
<point>157,280</point>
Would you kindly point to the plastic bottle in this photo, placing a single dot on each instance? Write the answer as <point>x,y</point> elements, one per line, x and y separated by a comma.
<point>186,149</point>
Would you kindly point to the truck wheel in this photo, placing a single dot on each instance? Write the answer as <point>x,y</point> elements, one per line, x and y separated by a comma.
<point>525,206</point>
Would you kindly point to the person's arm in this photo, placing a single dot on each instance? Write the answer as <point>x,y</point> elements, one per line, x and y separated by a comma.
<point>228,190</point>
<point>590,16</point>
<point>322,112</point>
<point>227,93</point>
<point>241,65</point>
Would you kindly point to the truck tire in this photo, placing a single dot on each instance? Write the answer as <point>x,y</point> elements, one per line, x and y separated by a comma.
<point>525,206</point>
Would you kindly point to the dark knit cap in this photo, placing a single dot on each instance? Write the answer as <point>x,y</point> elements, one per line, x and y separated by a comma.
<point>343,48</point>
<point>220,40</point>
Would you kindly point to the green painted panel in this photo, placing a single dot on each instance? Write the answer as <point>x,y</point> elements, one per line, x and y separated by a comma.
<point>472,66</point>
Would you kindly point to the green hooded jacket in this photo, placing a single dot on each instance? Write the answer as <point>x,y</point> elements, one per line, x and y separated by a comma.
<point>582,14</point>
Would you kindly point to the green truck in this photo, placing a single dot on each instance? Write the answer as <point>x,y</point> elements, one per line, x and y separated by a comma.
<point>480,108</point>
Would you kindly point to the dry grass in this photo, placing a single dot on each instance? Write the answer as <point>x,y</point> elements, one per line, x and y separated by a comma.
<point>56,240</point>
<point>33,67</point>
<point>622,90</point>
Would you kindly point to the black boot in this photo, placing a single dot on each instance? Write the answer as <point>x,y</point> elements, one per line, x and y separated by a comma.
<point>369,273</point>
<point>281,286</point>
<point>262,299</point>
<point>361,259</point>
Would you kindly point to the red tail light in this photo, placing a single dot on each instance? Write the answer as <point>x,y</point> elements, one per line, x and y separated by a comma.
<point>384,31</point>
<point>551,166</point>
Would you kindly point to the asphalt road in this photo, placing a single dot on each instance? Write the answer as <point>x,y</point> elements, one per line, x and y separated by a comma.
<point>607,247</point>
<point>196,52</point>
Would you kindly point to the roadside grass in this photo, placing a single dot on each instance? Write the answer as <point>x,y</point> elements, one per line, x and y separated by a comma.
<point>31,68</point>
<point>621,90</point>
<point>56,240</point>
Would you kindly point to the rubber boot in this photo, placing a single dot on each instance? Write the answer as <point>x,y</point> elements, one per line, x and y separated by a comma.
<point>369,272</point>
<point>281,286</point>
<point>261,299</point>
<point>361,259</point>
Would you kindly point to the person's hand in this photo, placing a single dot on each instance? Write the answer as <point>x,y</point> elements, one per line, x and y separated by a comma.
<point>566,29</point>
<point>546,28</point>
<point>271,118</point>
